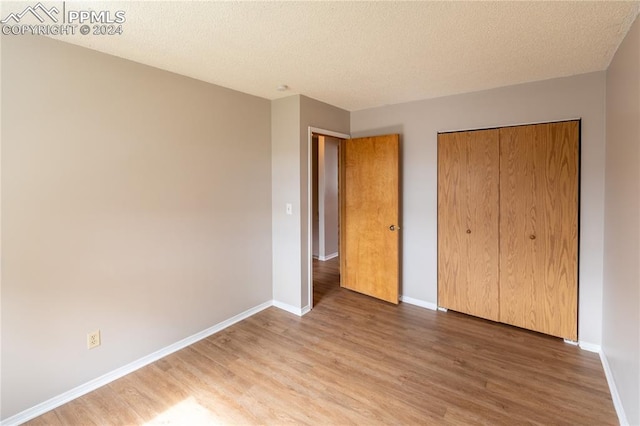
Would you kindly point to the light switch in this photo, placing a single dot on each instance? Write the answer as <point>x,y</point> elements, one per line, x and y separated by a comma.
<point>289,209</point>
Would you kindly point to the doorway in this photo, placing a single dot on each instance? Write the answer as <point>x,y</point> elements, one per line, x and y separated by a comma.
<point>325,213</point>
<point>368,199</point>
<point>324,208</point>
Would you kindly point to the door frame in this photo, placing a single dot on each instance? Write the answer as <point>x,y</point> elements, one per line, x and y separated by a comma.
<point>310,133</point>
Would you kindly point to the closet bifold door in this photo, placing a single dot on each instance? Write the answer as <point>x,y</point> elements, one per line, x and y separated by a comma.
<point>539,227</point>
<point>468,222</point>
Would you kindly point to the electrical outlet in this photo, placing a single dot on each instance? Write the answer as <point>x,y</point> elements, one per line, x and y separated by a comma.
<point>93,339</point>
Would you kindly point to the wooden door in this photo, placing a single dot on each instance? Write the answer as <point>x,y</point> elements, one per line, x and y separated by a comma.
<point>539,227</point>
<point>369,215</point>
<point>468,222</point>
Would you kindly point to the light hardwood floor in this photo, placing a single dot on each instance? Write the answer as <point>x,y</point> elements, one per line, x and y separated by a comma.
<point>357,360</point>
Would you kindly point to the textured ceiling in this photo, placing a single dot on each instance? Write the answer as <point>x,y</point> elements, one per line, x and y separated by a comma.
<point>357,55</point>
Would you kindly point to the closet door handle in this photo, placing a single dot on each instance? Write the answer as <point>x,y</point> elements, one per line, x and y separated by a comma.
<point>532,237</point>
<point>468,231</point>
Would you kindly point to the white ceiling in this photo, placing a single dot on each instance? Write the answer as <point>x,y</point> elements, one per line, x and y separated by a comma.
<point>358,55</point>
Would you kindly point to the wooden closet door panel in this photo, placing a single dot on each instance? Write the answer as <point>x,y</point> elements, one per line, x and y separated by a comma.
<point>519,257</point>
<point>561,207</point>
<point>539,227</point>
<point>484,223</point>
<point>468,184</point>
<point>452,220</point>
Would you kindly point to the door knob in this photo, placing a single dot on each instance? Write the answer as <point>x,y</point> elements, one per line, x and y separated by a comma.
<point>468,231</point>
<point>394,227</point>
<point>533,237</point>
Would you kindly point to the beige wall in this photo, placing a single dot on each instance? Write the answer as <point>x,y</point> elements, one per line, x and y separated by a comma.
<point>418,124</point>
<point>330,207</point>
<point>285,166</point>
<point>621,301</point>
<point>134,200</point>
<point>324,161</point>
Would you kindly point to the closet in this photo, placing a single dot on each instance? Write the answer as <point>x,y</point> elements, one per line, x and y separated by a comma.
<point>508,225</point>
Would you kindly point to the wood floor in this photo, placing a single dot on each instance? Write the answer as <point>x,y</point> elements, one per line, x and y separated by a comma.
<point>356,360</point>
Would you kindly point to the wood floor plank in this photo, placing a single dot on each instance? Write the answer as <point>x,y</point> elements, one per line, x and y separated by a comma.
<point>357,360</point>
<point>47,419</point>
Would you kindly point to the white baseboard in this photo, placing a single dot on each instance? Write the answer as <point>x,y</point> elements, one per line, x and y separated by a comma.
<point>589,347</point>
<point>615,396</point>
<point>291,309</point>
<point>418,302</point>
<point>327,257</point>
<point>105,379</point>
